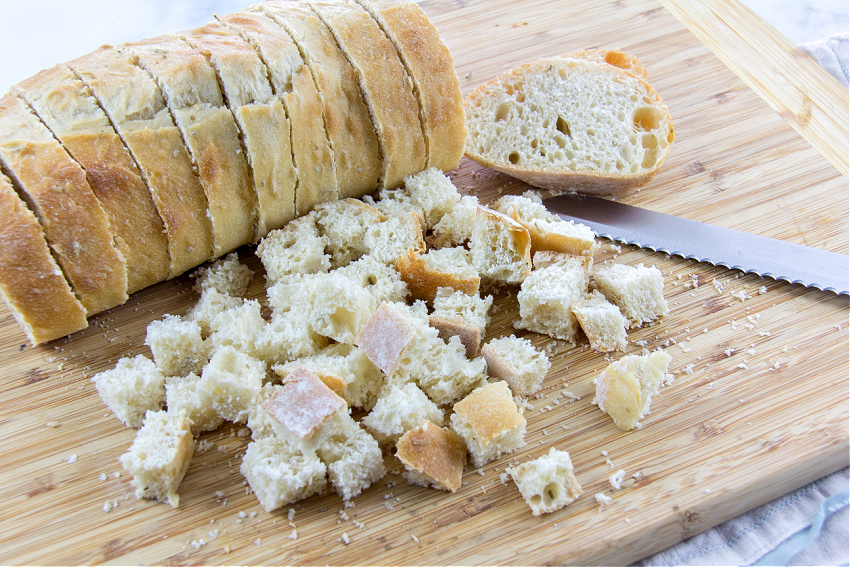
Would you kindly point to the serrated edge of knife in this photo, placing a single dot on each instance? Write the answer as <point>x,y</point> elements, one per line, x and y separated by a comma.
<point>721,264</point>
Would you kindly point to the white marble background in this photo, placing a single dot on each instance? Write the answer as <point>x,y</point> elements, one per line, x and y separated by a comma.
<point>36,34</point>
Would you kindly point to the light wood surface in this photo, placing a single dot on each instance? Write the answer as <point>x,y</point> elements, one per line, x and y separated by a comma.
<point>758,407</point>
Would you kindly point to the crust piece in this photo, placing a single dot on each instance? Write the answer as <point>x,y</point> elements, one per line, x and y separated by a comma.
<point>433,456</point>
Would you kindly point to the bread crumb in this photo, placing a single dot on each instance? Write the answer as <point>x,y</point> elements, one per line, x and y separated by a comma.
<point>345,539</point>
<point>602,499</point>
<point>616,479</point>
<point>294,534</point>
<point>52,424</point>
<point>72,459</point>
<point>414,538</point>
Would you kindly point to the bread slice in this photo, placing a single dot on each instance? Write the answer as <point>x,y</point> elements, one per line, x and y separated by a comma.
<point>193,95</point>
<point>144,123</point>
<point>500,246</point>
<point>262,119</point>
<point>429,64</point>
<point>385,84</point>
<point>66,107</point>
<point>570,123</point>
<point>448,268</point>
<point>489,422</point>
<point>625,387</point>
<point>31,283</point>
<point>637,290</point>
<point>432,456</point>
<point>517,362</point>
<point>160,456</point>
<point>55,188</point>
<point>356,158</point>
<point>548,482</point>
<point>131,389</point>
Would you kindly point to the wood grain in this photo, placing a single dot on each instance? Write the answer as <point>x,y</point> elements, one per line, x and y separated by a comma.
<point>758,407</point>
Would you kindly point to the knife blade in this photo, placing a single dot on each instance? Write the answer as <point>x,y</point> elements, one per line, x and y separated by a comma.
<point>734,249</point>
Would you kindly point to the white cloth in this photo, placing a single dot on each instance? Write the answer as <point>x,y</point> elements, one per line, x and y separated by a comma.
<point>832,54</point>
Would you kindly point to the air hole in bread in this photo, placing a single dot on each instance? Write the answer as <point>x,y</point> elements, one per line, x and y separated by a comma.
<point>562,73</point>
<point>649,141</point>
<point>502,111</point>
<point>534,143</point>
<point>371,280</point>
<point>514,157</point>
<point>520,98</point>
<point>647,118</point>
<point>649,159</point>
<point>561,141</point>
<point>563,127</point>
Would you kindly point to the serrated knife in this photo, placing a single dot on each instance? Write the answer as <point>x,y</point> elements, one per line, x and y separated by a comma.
<point>703,242</point>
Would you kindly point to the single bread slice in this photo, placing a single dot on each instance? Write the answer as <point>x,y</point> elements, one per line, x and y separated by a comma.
<point>517,362</point>
<point>570,123</point>
<point>74,222</point>
<point>31,283</point>
<point>429,63</point>
<point>65,105</point>
<point>547,483</point>
<point>433,457</point>
<point>147,128</point>
<point>385,84</point>
<point>625,387</point>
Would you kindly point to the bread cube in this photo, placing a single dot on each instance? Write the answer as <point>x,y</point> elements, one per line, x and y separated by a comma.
<point>463,315</point>
<point>547,483</point>
<point>432,456</point>
<point>399,410</point>
<point>340,309</point>
<point>279,474</point>
<point>288,336</point>
<point>517,362</point>
<point>424,274</point>
<point>500,246</point>
<point>433,193</point>
<point>226,275</point>
<point>181,396</point>
<point>297,248</point>
<point>177,345</point>
<point>159,456</point>
<point>238,327</point>
<point>382,281</point>
<point>390,239</point>
<point>625,387</point>
<point>130,389</point>
<point>489,422</point>
<point>545,298</point>
<point>601,321</point>
<point>259,421</point>
<point>545,258</point>
<point>230,382</point>
<point>354,460</point>
<point>344,224</point>
<point>456,226</point>
<point>346,370</point>
<point>211,303</point>
<point>386,334</point>
<point>637,290</point>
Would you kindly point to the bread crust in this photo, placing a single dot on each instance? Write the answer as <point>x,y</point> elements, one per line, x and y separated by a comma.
<point>429,63</point>
<point>614,57</point>
<point>469,335</point>
<point>490,411</point>
<point>325,97</point>
<point>75,225</point>
<point>145,125</point>
<point>437,453</point>
<point>65,106</point>
<point>394,108</point>
<point>210,133</point>
<point>31,282</point>
<point>423,282</point>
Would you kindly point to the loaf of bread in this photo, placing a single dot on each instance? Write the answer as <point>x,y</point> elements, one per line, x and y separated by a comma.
<point>574,122</point>
<point>229,131</point>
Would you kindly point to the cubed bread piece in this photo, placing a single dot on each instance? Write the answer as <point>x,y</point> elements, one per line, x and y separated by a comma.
<point>211,303</point>
<point>340,309</point>
<point>238,327</point>
<point>500,246</point>
<point>455,227</point>
<point>344,224</point>
<point>547,483</point>
<point>625,387</point>
<point>346,370</point>
<point>517,362</point>
<point>305,411</point>
<point>393,237</point>
<point>601,321</point>
<point>382,281</point>
<point>545,258</point>
<point>456,313</point>
<point>177,345</point>
<point>297,248</point>
<point>287,335</point>
<point>395,203</point>
<point>132,388</point>
<point>159,456</point>
<point>259,421</point>
<point>182,396</point>
<point>387,333</point>
<point>637,290</point>
<point>432,456</point>
<point>433,193</point>
<point>279,474</point>
<point>354,460</point>
<point>441,369</point>
<point>425,273</point>
<point>399,410</point>
<point>230,382</point>
<point>545,298</point>
<point>548,231</point>
<point>226,275</point>
<point>489,422</point>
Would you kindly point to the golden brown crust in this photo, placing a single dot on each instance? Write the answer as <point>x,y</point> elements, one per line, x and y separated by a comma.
<point>423,281</point>
<point>393,106</point>
<point>430,64</point>
<point>76,227</point>
<point>30,280</point>
<point>145,125</point>
<point>613,57</point>
<point>435,452</point>
<point>490,411</point>
<point>325,97</point>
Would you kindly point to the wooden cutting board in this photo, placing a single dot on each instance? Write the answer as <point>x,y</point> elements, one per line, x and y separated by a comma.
<point>758,407</point>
